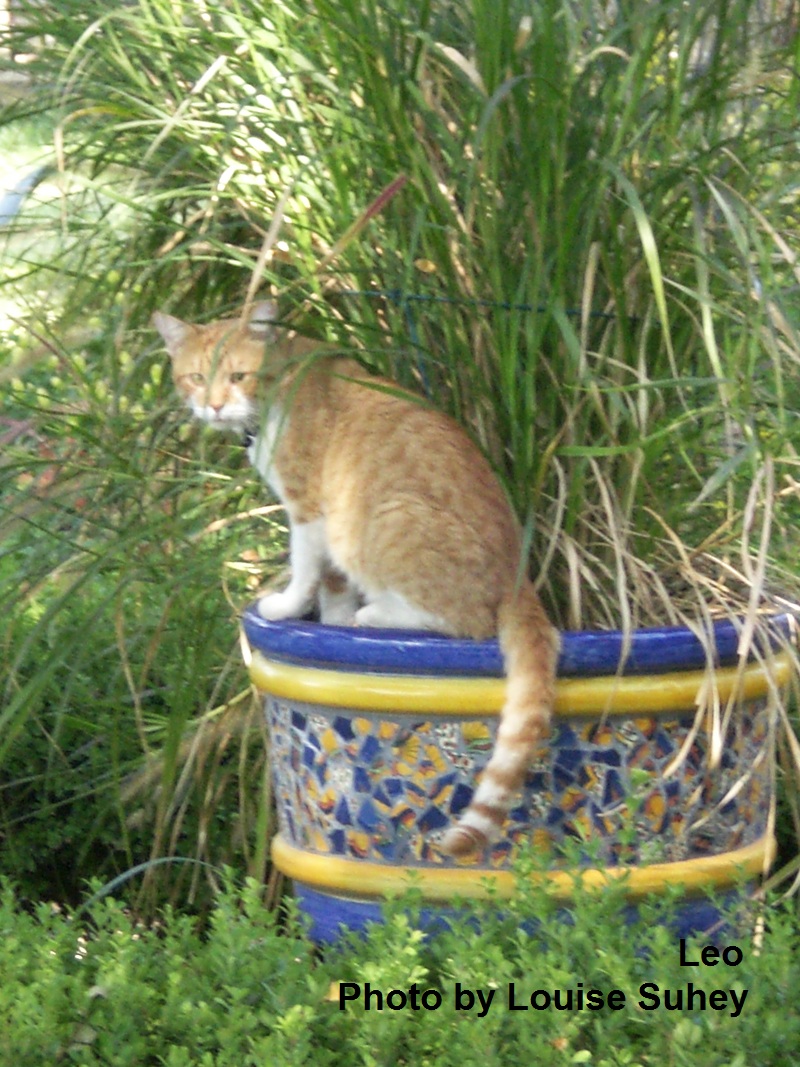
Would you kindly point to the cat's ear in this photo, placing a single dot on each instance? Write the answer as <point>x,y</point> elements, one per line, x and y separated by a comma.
<point>173,331</point>
<point>262,319</point>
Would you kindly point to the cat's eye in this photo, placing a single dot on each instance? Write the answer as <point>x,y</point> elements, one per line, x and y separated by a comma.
<point>237,376</point>
<point>197,378</point>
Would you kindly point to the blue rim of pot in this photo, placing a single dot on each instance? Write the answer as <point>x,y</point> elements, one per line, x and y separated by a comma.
<point>651,650</point>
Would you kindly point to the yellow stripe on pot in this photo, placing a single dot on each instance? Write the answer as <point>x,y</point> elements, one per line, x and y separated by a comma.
<point>362,880</point>
<point>436,695</point>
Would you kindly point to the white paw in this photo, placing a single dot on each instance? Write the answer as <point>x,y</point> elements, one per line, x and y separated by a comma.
<point>372,615</point>
<point>379,616</point>
<point>277,606</point>
<point>338,609</point>
<point>338,615</point>
<point>392,611</point>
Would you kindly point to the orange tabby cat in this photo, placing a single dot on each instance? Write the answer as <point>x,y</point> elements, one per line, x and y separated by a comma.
<point>397,519</point>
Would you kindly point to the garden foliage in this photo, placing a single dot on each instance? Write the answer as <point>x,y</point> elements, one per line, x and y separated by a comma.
<point>96,987</point>
<point>590,264</point>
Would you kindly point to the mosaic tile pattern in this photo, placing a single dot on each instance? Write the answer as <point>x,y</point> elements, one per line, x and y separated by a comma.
<point>363,786</point>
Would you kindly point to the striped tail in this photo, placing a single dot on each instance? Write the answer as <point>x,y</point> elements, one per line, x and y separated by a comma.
<point>530,647</point>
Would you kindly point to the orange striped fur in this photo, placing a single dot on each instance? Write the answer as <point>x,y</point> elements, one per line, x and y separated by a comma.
<point>396,518</point>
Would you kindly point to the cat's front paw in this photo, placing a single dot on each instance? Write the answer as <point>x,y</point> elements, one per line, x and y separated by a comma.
<point>276,606</point>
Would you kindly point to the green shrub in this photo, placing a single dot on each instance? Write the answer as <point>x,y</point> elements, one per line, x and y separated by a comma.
<point>95,987</point>
<point>590,265</point>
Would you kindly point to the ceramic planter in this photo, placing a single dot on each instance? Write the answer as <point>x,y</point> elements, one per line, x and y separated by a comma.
<point>377,738</point>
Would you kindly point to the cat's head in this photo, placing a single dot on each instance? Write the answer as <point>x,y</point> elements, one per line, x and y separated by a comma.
<point>219,367</point>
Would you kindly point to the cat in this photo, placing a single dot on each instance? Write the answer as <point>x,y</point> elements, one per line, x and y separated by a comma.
<point>396,517</point>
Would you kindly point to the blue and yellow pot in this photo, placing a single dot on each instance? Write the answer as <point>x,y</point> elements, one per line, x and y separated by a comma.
<point>660,762</point>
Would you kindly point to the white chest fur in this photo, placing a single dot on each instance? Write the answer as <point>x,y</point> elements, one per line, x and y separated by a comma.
<point>262,451</point>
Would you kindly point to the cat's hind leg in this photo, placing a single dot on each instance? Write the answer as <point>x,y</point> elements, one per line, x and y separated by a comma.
<point>308,552</point>
<point>391,610</point>
<point>339,599</point>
